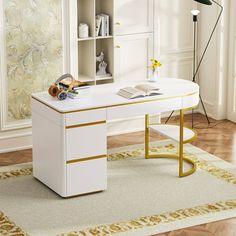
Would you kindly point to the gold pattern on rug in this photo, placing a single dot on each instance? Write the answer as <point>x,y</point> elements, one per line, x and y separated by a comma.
<point>7,227</point>
<point>154,220</point>
<point>15,173</point>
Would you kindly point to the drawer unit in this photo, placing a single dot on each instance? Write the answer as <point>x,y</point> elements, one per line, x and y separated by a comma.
<point>87,176</point>
<point>139,109</point>
<point>84,117</point>
<point>86,141</point>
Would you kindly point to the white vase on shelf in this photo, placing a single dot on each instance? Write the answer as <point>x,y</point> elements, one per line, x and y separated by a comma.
<point>153,75</point>
<point>83,30</point>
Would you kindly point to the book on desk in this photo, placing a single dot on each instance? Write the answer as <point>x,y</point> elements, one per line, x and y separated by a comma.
<point>140,90</point>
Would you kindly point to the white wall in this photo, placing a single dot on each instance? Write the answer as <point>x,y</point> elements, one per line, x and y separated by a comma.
<point>213,76</point>
<point>231,111</point>
<point>174,37</point>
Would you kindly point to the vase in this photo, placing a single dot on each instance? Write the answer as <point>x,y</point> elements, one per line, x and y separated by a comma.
<point>154,75</point>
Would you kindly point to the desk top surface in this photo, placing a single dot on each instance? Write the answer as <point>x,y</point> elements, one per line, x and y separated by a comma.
<point>102,96</point>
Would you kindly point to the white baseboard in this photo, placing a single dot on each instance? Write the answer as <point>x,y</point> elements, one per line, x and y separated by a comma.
<point>19,142</point>
<point>209,109</point>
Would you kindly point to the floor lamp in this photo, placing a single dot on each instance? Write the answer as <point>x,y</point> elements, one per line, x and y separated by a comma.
<point>205,2</point>
<point>195,25</point>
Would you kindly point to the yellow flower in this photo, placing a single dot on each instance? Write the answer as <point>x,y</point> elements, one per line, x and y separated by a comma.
<point>155,64</point>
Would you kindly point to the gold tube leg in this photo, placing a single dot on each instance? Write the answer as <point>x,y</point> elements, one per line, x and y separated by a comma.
<point>180,156</point>
<point>181,143</point>
<point>146,136</point>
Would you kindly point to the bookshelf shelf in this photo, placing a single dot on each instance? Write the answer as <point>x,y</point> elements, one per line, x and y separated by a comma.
<point>86,52</point>
<point>106,45</point>
<point>127,45</point>
<point>85,39</point>
<point>93,38</point>
<point>104,78</point>
<point>85,78</point>
<point>89,48</point>
<point>104,37</point>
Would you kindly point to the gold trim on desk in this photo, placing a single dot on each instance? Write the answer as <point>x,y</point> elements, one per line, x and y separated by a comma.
<point>86,124</point>
<point>86,159</point>
<point>117,105</point>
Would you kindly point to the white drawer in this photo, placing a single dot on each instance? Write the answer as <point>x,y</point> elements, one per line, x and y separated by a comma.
<point>86,176</point>
<point>84,117</point>
<point>139,109</point>
<point>86,141</point>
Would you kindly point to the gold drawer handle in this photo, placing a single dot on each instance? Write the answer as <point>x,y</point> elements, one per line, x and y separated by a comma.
<point>118,23</point>
<point>86,124</point>
<point>118,46</point>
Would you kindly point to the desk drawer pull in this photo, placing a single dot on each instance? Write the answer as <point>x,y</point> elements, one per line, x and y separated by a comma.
<point>86,159</point>
<point>86,124</point>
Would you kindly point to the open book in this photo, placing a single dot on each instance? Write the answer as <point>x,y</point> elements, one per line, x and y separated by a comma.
<point>140,90</point>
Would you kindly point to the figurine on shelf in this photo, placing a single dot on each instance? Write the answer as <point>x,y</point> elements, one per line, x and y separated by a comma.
<point>102,66</point>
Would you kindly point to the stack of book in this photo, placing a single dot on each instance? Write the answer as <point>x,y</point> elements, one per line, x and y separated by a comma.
<point>79,92</point>
<point>102,25</point>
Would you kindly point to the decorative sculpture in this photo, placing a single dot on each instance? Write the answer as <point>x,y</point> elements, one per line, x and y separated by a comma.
<point>101,72</point>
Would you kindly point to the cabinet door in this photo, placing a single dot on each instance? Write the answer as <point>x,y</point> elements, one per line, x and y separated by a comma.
<point>132,56</point>
<point>133,16</point>
<point>86,177</point>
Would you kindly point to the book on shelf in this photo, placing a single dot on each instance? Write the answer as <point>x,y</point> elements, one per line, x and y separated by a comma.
<point>102,25</point>
<point>106,24</point>
<point>140,90</point>
<point>98,24</point>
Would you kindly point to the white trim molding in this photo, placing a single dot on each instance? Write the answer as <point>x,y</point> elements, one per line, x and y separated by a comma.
<point>15,140</point>
<point>2,68</point>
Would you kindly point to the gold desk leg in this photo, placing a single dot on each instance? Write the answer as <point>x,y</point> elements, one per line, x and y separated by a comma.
<point>181,142</point>
<point>180,156</point>
<point>146,136</point>
<point>181,151</point>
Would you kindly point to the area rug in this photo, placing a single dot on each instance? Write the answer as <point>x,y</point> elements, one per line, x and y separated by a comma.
<point>144,197</point>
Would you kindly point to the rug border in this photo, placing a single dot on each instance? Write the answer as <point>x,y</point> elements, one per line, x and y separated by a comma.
<point>166,221</point>
<point>8,227</point>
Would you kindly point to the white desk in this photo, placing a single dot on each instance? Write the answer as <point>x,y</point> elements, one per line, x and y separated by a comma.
<point>70,139</point>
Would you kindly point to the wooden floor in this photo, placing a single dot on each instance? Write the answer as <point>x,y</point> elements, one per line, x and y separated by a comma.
<point>219,139</point>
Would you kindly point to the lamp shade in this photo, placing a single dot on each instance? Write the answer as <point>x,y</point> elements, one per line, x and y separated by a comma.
<point>206,2</point>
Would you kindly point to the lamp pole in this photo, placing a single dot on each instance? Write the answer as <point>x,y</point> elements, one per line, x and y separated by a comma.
<point>195,20</point>
<point>209,40</point>
<point>205,2</point>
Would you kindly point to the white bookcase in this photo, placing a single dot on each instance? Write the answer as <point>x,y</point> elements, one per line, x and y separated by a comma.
<point>129,47</point>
